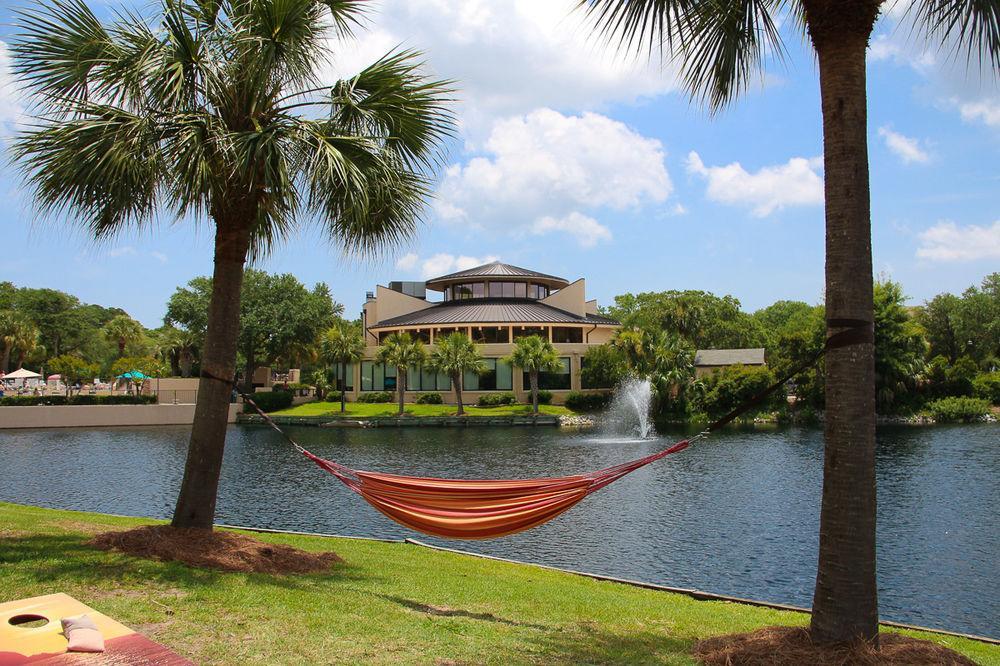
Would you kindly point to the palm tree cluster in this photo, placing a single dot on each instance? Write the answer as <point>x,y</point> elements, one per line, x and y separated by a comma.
<point>665,359</point>
<point>17,334</point>
<point>218,110</point>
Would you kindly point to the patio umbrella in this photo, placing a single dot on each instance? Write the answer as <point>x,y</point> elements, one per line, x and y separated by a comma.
<point>22,374</point>
<point>55,377</point>
<point>134,374</point>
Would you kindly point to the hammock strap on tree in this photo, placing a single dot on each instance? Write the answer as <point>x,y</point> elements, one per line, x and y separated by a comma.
<point>489,508</point>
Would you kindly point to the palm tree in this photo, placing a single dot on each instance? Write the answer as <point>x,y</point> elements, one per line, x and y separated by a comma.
<point>533,355</point>
<point>402,352</point>
<point>122,330</point>
<point>720,46</point>
<point>671,365</point>
<point>340,345</point>
<point>219,112</point>
<point>455,355</point>
<point>26,339</point>
<point>632,343</point>
<point>12,327</point>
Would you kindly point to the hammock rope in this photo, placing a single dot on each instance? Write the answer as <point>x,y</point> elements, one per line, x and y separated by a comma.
<point>490,508</point>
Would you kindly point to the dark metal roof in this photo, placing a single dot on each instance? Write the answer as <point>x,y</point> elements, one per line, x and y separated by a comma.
<point>497,269</point>
<point>492,311</point>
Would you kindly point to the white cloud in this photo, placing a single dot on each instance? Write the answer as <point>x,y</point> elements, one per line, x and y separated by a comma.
<point>587,231</point>
<point>985,110</point>
<point>546,164</point>
<point>123,251</point>
<point>905,148</point>
<point>444,263</point>
<point>795,183</point>
<point>159,256</point>
<point>11,105</point>
<point>407,262</point>
<point>506,57</point>
<point>946,241</point>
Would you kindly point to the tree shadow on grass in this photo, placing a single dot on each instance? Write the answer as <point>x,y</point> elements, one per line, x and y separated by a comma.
<point>53,558</point>
<point>587,644</point>
<point>442,611</point>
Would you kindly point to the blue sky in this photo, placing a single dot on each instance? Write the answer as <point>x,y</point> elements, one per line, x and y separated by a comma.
<point>576,162</point>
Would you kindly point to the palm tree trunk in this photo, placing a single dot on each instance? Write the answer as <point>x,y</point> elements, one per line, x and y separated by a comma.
<point>534,390</point>
<point>250,367</point>
<point>6,358</point>
<point>457,381</point>
<point>401,386</point>
<point>845,604</point>
<point>196,501</point>
<point>343,387</point>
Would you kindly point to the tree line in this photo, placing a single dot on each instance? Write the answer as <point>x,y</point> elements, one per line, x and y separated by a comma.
<point>947,347</point>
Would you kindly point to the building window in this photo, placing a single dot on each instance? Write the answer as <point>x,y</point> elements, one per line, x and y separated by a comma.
<point>498,377</point>
<point>422,334</point>
<point>520,290</point>
<point>338,378</point>
<point>567,334</point>
<point>486,335</point>
<point>537,291</point>
<point>441,333</point>
<point>422,379</point>
<point>551,381</point>
<point>528,331</point>
<point>496,289</point>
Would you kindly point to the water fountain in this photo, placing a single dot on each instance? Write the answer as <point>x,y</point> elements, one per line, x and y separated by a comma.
<point>628,414</point>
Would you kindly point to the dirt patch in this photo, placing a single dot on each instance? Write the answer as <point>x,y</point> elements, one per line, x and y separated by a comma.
<point>225,551</point>
<point>780,646</point>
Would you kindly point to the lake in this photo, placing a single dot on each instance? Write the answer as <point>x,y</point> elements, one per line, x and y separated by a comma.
<point>735,514</point>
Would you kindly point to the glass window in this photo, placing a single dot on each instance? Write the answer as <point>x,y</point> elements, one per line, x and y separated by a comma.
<point>496,289</point>
<point>471,381</point>
<point>490,334</point>
<point>497,377</point>
<point>528,331</point>
<point>520,290</point>
<point>505,376</point>
<point>508,289</point>
<point>567,334</point>
<point>478,289</point>
<point>366,375</point>
<point>338,379</point>
<point>440,333</point>
<point>462,291</point>
<point>422,334</point>
<point>551,381</point>
<point>388,377</point>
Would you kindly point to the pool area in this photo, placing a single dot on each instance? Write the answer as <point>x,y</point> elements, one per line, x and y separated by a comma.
<point>736,514</point>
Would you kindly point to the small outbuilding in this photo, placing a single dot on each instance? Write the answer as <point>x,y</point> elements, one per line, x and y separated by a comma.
<point>708,360</point>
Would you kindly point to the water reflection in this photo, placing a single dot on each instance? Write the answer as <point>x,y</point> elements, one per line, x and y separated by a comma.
<point>735,514</point>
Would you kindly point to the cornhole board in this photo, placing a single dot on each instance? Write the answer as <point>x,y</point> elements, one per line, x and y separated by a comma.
<point>47,644</point>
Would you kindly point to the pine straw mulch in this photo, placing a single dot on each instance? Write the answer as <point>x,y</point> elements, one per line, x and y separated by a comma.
<point>214,549</point>
<point>781,646</point>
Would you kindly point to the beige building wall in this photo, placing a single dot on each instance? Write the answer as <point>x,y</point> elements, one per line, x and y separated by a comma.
<point>93,416</point>
<point>572,298</point>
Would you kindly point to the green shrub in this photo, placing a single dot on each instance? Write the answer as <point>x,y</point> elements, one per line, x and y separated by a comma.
<point>86,399</point>
<point>987,387</point>
<point>733,385</point>
<point>430,399</point>
<point>544,397</point>
<point>587,402</point>
<point>496,399</point>
<point>958,409</point>
<point>376,396</point>
<point>269,401</point>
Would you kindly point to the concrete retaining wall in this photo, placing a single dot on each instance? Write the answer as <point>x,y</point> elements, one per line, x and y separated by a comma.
<point>76,416</point>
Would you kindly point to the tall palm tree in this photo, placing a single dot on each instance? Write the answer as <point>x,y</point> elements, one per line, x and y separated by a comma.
<point>12,327</point>
<point>402,352</point>
<point>122,330</point>
<point>632,343</point>
<point>27,338</point>
<point>218,112</point>
<point>340,345</point>
<point>720,46</point>
<point>454,356</point>
<point>533,355</point>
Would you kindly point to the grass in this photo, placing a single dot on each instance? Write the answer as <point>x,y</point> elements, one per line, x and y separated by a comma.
<point>368,410</point>
<point>390,603</point>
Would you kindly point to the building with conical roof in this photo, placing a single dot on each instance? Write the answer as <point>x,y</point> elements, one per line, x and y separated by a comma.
<point>494,304</point>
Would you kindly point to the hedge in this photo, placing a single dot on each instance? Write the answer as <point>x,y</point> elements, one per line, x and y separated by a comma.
<point>496,399</point>
<point>587,402</point>
<point>376,396</point>
<point>33,400</point>
<point>544,397</point>
<point>269,401</point>
<point>958,409</point>
<point>430,399</point>
<point>987,387</point>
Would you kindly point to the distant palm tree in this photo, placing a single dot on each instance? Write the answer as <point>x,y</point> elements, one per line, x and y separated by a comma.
<point>219,112</point>
<point>455,355</point>
<point>632,343</point>
<point>670,365</point>
<point>402,352</point>
<point>27,339</point>
<point>13,327</point>
<point>340,345</point>
<point>721,46</point>
<point>533,355</point>
<point>122,330</point>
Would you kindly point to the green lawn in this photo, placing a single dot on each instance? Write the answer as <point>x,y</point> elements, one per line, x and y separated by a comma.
<point>390,603</point>
<point>361,410</point>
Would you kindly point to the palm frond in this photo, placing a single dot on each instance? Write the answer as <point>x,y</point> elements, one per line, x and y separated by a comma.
<point>972,26</point>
